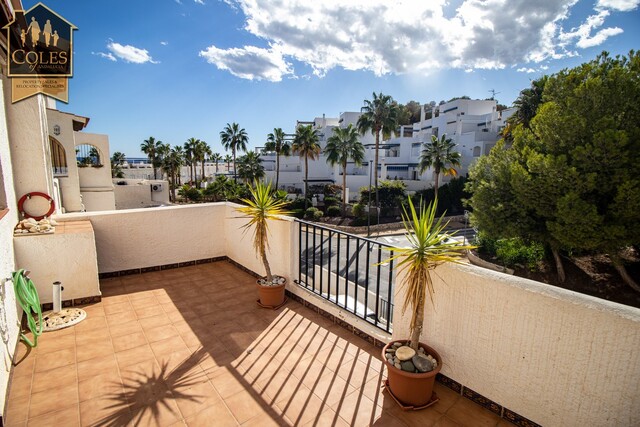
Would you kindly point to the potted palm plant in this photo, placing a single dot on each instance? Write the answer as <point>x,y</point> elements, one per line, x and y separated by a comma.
<point>412,365</point>
<point>260,207</point>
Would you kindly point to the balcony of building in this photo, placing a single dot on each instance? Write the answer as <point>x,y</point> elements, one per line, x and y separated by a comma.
<point>174,336</point>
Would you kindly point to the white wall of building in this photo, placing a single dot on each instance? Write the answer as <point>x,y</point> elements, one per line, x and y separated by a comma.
<point>139,193</point>
<point>9,312</point>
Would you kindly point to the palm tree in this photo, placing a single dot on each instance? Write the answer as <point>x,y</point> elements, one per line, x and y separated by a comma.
<point>117,160</point>
<point>150,148</point>
<point>262,206</point>
<point>342,146</point>
<point>276,142</point>
<point>189,156</point>
<point>305,144</point>
<point>250,168</point>
<point>234,138</point>
<point>216,158</point>
<point>440,155</point>
<point>378,116</point>
<point>172,164</point>
<point>200,153</point>
<point>228,159</point>
<point>162,152</point>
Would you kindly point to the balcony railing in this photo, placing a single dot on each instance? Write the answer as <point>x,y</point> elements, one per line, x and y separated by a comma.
<point>60,171</point>
<point>349,271</point>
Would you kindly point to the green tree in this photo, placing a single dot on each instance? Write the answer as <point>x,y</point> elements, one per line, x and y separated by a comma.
<point>228,159</point>
<point>190,157</point>
<point>409,113</point>
<point>150,148</point>
<point>276,142</point>
<point>216,158</point>
<point>440,155</point>
<point>117,160</point>
<point>171,164</point>
<point>528,102</point>
<point>250,168</point>
<point>379,116</point>
<point>200,153</point>
<point>234,138</point>
<point>163,151</point>
<point>342,146</point>
<point>305,144</point>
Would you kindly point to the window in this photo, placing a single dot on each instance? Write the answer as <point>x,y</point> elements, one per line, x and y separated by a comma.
<point>56,130</point>
<point>58,158</point>
<point>88,155</point>
<point>476,151</point>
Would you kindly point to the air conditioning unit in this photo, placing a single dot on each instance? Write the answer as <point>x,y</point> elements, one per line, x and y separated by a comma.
<point>156,188</point>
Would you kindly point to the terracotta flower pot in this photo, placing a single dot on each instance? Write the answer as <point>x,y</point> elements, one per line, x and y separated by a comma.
<point>271,296</point>
<point>412,389</point>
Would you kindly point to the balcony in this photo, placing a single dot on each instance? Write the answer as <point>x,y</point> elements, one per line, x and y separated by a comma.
<point>177,338</point>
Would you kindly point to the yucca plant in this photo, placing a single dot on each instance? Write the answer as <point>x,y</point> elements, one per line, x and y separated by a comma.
<point>429,246</point>
<point>261,207</point>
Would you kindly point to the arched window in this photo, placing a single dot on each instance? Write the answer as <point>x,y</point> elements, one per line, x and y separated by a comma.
<point>88,155</point>
<point>476,151</point>
<point>58,158</point>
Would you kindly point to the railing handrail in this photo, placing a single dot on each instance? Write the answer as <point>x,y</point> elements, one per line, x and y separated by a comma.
<point>335,230</point>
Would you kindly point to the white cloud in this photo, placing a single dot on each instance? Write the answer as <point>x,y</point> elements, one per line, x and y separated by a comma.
<point>130,53</point>
<point>199,1</point>
<point>402,37</point>
<point>178,1</point>
<point>163,43</point>
<point>583,32</point>
<point>526,70</point>
<point>108,55</point>
<point>620,5</point>
<point>249,62</point>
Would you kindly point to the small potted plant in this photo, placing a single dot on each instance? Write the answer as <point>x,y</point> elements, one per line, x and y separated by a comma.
<point>261,207</point>
<point>412,365</point>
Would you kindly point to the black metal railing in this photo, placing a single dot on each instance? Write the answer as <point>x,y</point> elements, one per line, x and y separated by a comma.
<point>349,271</point>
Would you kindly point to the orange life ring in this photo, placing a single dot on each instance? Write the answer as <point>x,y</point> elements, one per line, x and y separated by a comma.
<point>52,205</point>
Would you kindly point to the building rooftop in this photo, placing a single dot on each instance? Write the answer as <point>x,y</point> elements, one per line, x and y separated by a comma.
<point>190,346</point>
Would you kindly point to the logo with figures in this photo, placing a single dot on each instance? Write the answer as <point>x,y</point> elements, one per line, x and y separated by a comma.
<point>40,54</point>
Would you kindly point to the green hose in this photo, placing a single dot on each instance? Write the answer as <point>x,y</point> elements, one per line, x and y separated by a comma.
<point>27,297</point>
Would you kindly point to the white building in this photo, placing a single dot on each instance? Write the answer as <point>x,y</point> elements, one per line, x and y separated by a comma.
<point>473,125</point>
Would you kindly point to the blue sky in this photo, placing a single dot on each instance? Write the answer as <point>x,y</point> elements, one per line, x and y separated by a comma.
<point>176,69</point>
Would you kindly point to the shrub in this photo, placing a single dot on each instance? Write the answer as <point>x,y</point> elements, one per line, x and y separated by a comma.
<point>298,203</point>
<point>391,194</point>
<point>190,193</point>
<point>330,201</point>
<point>297,213</point>
<point>511,252</point>
<point>451,196</point>
<point>357,210</point>
<point>334,210</point>
<point>313,214</point>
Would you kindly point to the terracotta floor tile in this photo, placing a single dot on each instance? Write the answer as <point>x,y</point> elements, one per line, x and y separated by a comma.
<point>129,341</point>
<point>91,335</point>
<point>357,409</point>
<point>447,398</point>
<point>161,413</point>
<point>269,420</point>
<point>93,349</point>
<point>124,316</point>
<point>48,343</point>
<point>218,412</point>
<point>91,323</point>
<point>100,386</point>
<point>148,301</point>
<point>47,401</point>
<point>445,421</point>
<point>331,388</point>
<point>161,333</point>
<point>227,384</point>
<point>154,321</point>
<point>17,410</point>
<point>425,417</point>
<point>302,407</point>
<point>114,299</point>
<point>245,405</point>
<point>466,412</point>
<point>193,398</point>
<point>26,366</point>
<point>69,417</point>
<point>56,359</point>
<point>50,380</point>
<point>105,411</point>
<point>135,355</point>
<point>328,418</point>
<point>20,387</point>
<point>100,365</point>
<point>168,346</point>
<point>125,328</point>
<point>94,310</point>
<point>149,311</point>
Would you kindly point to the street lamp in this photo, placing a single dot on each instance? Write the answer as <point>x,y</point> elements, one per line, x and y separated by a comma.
<point>466,220</point>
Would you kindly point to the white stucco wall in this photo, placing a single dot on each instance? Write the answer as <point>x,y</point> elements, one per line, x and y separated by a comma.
<point>8,309</point>
<point>68,257</point>
<point>140,238</point>
<point>554,356</point>
<point>137,194</point>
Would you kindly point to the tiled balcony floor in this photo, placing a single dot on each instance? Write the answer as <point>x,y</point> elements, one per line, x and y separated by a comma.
<point>190,347</point>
